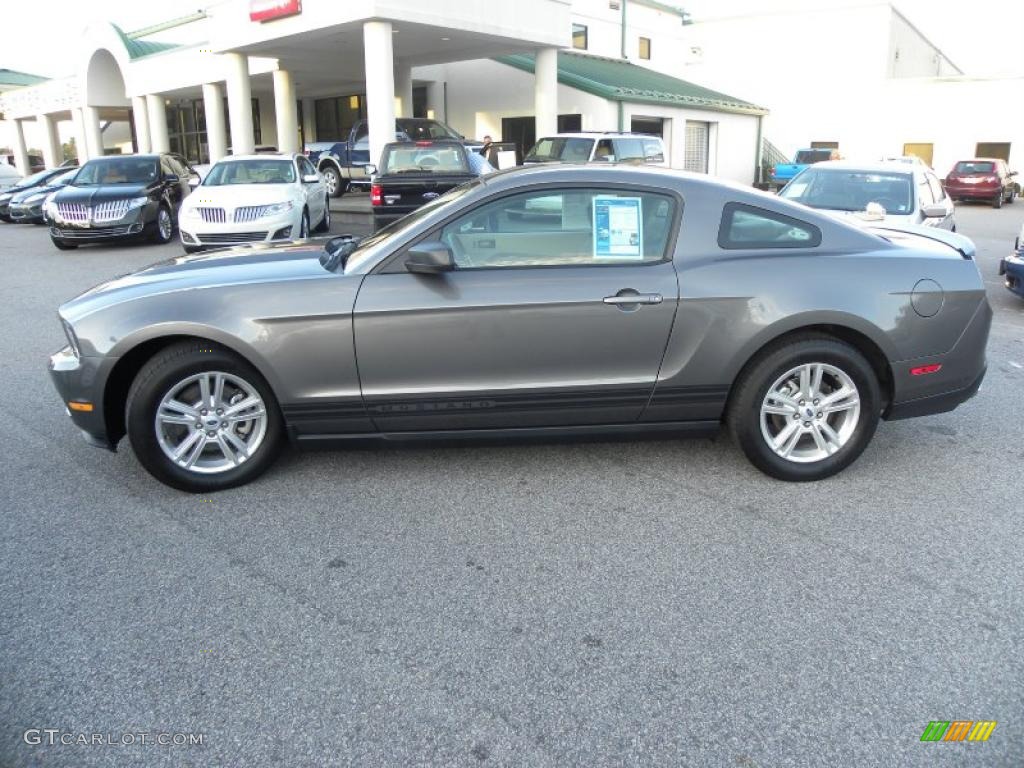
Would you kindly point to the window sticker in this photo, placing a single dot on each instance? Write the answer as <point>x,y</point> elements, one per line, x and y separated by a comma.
<point>618,233</point>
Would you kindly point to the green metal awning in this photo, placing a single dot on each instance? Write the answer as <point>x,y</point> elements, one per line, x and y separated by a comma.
<point>19,79</point>
<point>621,80</point>
<point>139,48</point>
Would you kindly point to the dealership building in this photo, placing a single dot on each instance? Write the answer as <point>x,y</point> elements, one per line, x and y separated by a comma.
<point>282,73</point>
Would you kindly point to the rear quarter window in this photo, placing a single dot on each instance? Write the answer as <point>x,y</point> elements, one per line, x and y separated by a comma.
<point>747,226</point>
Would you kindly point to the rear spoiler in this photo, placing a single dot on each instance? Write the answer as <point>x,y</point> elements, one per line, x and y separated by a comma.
<point>962,245</point>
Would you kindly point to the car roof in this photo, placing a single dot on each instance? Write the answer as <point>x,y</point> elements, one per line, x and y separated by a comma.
<point>879,166</point>
<point>258,156</point>
<point>599,134</point>
<point>983,160</point>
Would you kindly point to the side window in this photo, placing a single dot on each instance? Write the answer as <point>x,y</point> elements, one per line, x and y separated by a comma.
<point>746,226</point>
<point>570,227</point>
<point>605,150</point>
<point>937,191</point>
<point>305,167</point>
<point>629,150</point>
<point>653,151</point>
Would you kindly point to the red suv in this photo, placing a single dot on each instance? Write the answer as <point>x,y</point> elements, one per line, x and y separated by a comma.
<point>982,179</point>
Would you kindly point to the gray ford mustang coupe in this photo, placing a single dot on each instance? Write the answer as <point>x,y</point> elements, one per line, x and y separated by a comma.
<point>548,301</point>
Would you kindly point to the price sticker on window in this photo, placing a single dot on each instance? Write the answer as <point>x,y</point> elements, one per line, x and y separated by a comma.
<point>618,230</point>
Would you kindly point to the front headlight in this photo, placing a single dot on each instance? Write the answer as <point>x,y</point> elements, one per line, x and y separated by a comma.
<point>72,338</point>
<point>276,208</point>
<point>137,202</point>
<point>50,207</point>
<point>36,197</point>
<point>190,213</point>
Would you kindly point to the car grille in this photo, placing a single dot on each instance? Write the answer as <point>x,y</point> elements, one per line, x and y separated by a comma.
<point>231,237</point>
<point>87,234</point>
<point>73,211</point>
<point>249,213</point>
<point>110,210</point>
<point>212,215</point>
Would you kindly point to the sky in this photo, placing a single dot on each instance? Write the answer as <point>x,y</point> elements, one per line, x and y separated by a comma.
<point>978,35</point>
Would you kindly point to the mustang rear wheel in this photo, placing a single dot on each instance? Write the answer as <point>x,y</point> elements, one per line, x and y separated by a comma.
<point>806,409</point>
<point>201,419</point>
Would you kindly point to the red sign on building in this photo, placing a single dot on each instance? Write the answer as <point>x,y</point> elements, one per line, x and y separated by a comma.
<point>268,10</point>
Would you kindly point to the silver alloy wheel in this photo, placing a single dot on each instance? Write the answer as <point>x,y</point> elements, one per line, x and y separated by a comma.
<point>810,412</point>
<point>211,422</point>
<point>331,180</point>
<point>163,223</point>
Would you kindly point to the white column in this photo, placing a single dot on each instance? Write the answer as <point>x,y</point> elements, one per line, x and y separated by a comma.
<point>284,110</point>
<point>81,145</point>
<point>546,92</point>
<point>156,109</point>
<point>380,86</point>
<point>52,154</point>
<point>20,150</point>
<point>140,114</point>
<point>216,126</point>
<point>93,134</point>
<point>239,104</point>
<point>403,90</point>
<point>309,120</point>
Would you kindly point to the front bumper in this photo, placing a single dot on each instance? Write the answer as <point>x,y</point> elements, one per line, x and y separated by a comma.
<point>76,381</point>
<point>137,223</point>
<point>1012,270</point>
<point>199,234</point>
<point>26,212</point>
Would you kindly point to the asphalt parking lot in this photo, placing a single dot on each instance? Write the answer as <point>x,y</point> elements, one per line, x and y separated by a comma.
<point>605,603</point>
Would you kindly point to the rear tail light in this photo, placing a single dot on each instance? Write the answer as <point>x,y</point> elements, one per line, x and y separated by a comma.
<point>375,194</point>
<point>923,370</point>
<point>424,143</point>
<point>991,179</point>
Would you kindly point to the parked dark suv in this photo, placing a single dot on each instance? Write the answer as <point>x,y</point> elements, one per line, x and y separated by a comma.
<point>983,178</point>
<point>120,197</point>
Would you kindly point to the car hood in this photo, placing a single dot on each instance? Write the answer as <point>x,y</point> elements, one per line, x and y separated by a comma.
<point>43,189</point>
<point>860,217</point>
<point>233,266</point>
<point>101,193</point>
<point>235,195</point>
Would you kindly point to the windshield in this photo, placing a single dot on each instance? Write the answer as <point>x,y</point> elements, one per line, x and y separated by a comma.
<point>842,190</point>
<point>427,129</point>
<point>35,178</point>
<point>118,170</point>
<point>443,158</point>
<point>974,166</point>
<point>564,150</point>
<point>810,156</point>
<point>250,172</point>
<point>409,220</point>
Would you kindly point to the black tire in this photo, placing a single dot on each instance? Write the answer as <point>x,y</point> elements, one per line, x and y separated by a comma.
<point>325,222</point>
<point>998,201</point>
<point>160,234</point>
<point>304,225</point>
<point>1012,196</point>
<point>744,411</point>
<point>62,245</point>
<point>336,186</point>
<point>170,366</point>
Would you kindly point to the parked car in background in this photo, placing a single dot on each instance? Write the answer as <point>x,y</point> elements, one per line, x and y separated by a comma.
<point>26,207</point>
<point>904,193</point>
<point>9,176</point>
<point>982,179</point>
<point>35,162</point>
<point>783,172</point>
<point>343,163</point>
<point>29,182</point>
<point>119,197</point>
<point>623,317</point>
<point>1011,268</point>
<point>910,159</point>
<point>254,199</point>
<point>412,173</point>
<point>633,148</point>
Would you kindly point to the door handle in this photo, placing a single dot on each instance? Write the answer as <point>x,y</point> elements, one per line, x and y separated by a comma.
<point>632,297</point>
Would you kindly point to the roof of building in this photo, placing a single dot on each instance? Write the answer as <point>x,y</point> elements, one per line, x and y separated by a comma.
<point>621,80</point>
<point>15,78</point>
<point>139,48</point>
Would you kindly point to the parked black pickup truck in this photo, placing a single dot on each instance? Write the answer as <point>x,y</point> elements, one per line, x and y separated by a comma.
<point>413,173</point>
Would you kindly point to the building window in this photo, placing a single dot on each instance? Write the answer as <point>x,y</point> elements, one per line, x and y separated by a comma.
<point>645,48</point>
<point>579,37</point>
<point>336,116</point>
<point>695,148</point>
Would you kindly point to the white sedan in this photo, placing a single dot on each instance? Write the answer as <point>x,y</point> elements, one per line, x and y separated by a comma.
<point>254,199</point>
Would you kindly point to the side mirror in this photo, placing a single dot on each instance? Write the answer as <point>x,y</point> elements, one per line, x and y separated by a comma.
<point>310,178</point>
<point>194,181</point>
<point>934,211</point>
<point>370,169</point>
<point>431,258</point>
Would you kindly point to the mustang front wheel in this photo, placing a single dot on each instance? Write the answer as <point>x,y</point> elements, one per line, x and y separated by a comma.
<point>201,419</point>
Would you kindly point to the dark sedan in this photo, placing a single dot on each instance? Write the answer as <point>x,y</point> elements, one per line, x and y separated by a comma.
<point>119,197</point>
<point>620,311</point>
<point>26,207</point>
<point>414,173</point>
<point>29,183</point>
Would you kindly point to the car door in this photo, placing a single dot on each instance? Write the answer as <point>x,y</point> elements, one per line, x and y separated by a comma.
<point>940,197</point>
<point>314,190</point>
<point>557,313</point>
